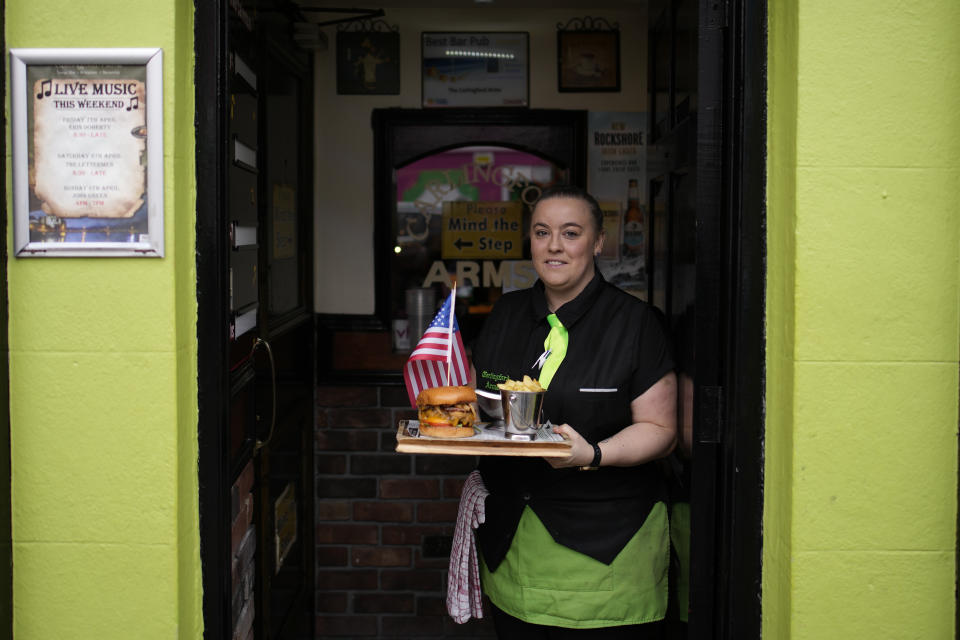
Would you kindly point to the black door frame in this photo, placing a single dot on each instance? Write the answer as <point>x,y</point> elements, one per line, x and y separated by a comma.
<point>212,291</point>
<point>746,153</point>
<point>732,111</point>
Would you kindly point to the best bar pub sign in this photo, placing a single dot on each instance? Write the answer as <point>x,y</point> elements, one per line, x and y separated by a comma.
<point>87,152</point>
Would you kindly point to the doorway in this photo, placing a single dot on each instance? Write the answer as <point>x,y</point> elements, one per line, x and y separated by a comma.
<point>706,199</point>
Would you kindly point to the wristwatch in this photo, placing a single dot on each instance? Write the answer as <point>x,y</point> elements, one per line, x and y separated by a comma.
<point>595,463</point>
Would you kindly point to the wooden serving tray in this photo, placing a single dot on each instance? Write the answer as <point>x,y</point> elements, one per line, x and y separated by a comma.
<point>487,442</point>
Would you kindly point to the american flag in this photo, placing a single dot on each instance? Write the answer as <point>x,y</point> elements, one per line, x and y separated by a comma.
<point>427,365</point>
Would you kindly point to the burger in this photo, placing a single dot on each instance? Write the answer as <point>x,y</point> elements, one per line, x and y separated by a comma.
<point>447,412</point>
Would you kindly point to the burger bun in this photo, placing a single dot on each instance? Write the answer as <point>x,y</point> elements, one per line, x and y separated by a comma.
<point>435,431</point>
<point>443,396</point>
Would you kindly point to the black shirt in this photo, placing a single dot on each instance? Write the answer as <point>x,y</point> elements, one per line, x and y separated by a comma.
<point>616,351</point>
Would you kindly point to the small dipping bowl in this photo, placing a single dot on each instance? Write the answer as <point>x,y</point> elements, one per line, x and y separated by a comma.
<point>522,410</point>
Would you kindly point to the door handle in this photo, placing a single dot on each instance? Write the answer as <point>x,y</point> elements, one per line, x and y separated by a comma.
<point>273,394</point>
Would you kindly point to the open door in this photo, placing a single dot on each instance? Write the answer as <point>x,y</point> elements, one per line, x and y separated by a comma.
<point>255,324</point>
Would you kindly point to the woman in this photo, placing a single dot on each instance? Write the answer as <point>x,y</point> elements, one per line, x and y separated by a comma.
<point>578,543</point>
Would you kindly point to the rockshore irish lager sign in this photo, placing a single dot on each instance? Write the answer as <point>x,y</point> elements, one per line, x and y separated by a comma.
<point>88,159</point>
<point>616,154</point>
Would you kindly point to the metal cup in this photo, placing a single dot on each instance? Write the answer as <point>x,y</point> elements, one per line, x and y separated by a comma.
<point>490,405</point>
<point>522,411</point>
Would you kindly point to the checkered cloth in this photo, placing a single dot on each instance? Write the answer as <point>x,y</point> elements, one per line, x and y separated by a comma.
<point>463,583</point>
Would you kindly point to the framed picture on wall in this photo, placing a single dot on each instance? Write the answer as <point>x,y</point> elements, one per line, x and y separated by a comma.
<point>87,132</point>
<point>368,63</point>
<point>475,69</point>
<point>588,60</point>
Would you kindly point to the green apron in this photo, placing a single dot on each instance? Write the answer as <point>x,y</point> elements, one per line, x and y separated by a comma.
<point>542,582</point>
<point>680,536</point>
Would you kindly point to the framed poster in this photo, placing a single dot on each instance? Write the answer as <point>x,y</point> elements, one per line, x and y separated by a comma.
<point>368,63</point>
<point>87,136</point>
<point>474,69</point>
<point>617,160</point>
<point>588,60</point>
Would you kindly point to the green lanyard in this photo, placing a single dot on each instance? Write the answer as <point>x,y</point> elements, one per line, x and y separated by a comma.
<point>556,346</point>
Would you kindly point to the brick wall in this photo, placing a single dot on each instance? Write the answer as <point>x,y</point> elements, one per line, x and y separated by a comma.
<point>384,522</point>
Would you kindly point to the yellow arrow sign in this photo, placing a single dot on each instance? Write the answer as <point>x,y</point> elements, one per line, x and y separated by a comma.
<point>490,230</point>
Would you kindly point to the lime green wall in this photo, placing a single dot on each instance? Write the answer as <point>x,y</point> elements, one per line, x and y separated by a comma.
<point>781,256</point>
<point>103,406</point>
<point>863,322</point>
<point>189,602</point>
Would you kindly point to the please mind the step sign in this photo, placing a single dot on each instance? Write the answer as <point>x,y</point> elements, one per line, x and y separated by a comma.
<point>491,230</point>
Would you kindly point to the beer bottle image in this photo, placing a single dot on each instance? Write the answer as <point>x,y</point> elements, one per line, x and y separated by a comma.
<point>633,222</point>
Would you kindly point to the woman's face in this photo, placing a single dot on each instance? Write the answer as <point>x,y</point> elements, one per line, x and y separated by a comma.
<point>563,241</point>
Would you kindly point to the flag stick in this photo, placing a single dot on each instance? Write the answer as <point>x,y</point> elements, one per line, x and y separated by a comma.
<point>453,303</point>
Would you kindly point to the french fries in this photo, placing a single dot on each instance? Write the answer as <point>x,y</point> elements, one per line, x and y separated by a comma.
<point>527,384</point>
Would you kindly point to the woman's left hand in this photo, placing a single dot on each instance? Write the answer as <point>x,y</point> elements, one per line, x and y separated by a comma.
<point>652,435</point>
<point>581,451</point>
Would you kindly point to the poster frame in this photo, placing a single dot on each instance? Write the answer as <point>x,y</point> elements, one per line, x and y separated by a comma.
<point>385,40</point>
<point>152,60</point>
<point>602,43</point>
<point>430,101</point>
